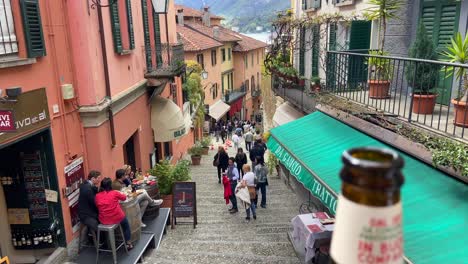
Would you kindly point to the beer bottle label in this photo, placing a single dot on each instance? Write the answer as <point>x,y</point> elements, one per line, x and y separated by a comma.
<point>367,234</point>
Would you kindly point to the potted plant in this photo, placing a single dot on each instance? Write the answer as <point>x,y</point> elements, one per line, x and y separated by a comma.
<point>381,69</point>
<point>205,143</point>
<point>423,76</point>
<point>315,84</point>
<point>457,52</point>
<point>163,172</point>
<point>273,163</point>
<point>181,171</point>
<point>195,153</point>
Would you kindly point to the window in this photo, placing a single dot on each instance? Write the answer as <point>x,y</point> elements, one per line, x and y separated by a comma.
<point>258,57</point>
<point>121,10</point>
<point>252,59</point>
<point>222,84</point>
<point>8,43</point>
<point>200,60</point>
<point>258,79</point>
<point>247,88</point>
<point>229,82</point>
<point>246,61</point>
<point>223,53</point>
<point>33,33</point>
<point>229,54</point>
<point>146,35</point>
<point>213,57</point>
<point>215,90</point>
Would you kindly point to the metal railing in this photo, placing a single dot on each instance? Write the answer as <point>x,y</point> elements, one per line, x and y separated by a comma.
<point>398,86</point>
<point>8,41</point>
<point>256,92</point>
<point>233,95</point>
<point>169,60</point>
<point>297,95</point>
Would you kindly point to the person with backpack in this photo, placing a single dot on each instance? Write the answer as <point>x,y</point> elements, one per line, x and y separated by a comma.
<point>258,150</point>
<point>221,160</point>
<point>261,173</point>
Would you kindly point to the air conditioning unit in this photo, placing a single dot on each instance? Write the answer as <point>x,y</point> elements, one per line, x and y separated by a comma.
<point>68,92</point>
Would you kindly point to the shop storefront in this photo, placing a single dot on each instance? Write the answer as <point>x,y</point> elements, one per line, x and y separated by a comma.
<point>29,194</point>
<point>434,204</point>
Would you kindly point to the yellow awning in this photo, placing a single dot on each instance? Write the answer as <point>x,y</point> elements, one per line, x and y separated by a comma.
<point>167,120</point>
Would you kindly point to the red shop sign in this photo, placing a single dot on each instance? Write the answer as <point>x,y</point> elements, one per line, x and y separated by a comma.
<point>7,123</point>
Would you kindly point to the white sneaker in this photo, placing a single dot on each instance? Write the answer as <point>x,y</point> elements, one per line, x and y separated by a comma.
<point>143,225</point>
<point>157,202</point>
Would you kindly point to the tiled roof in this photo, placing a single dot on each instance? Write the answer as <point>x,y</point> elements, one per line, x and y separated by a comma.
<point>191,12</point>
<point>194,41</point>
<point>224,36</point>
<point>245,43</point>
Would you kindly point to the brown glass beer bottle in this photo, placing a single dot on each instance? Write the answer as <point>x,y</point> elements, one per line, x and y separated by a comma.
<point>368,227</point>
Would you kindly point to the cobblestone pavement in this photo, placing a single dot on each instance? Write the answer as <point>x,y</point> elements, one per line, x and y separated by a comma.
<point>224,238</point>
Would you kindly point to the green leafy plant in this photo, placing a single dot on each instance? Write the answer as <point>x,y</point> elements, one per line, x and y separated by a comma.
<point>196,150</point>
<point>457,52</point>
<point>163,172</point>
<point>271,163</point>
<point>193,87</point>
<point>181,171</point>
<point>205,142</point>
<point>315,80</point>
<point>422,76</point>
<point>381,67</point>
<point>382,11</point>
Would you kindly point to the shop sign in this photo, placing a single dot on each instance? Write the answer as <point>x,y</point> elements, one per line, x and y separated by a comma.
<point>184,202</point>
<point>18,216</point>
<point>30,112</point>
<point>179,133</point>
<point>7,123</point>
<point>303,175</point>
<point>74,176</point>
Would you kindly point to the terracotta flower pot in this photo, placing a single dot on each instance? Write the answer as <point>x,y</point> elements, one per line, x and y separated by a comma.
<point>167,201</point>
<point>424,104</point>
<point>205,150</point>
<point>196,160</point>
<point>461,113</point>
<point>378,89</point>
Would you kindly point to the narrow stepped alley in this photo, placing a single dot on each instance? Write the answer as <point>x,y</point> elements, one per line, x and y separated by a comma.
<point>224,238</point>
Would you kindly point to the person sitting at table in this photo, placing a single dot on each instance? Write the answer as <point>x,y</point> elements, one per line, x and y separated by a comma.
<point>129,174</point>
<point>87,211</point>
<point>109,210</point>
<point>144,200</point>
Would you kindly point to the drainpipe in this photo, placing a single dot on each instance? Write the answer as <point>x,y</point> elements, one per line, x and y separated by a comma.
<point>106,77</point>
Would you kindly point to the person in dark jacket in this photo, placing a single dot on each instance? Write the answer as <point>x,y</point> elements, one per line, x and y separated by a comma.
<point>222,159</point>
<point>258,150</point>
<point>87,210</point>
<point>223,134</point>
<point>241,159</point>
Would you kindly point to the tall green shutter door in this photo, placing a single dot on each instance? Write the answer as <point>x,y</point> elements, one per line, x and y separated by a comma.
<point>359,42</point>
<point>157,39</point>
<point>115,23</point>
<point>315,50</point>
<point>302,52</point>
<point>131,36</point>
<point>441,18</point>
<point>146,34</point>
<point>33,33</point>
<point>331,60</point>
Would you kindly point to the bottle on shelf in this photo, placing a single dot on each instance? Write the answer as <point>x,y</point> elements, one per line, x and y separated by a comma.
<point>23,239</point>
<point>28,240</point>
<point>369,214</point>
<point>13,239</point>
<point>35,239</point>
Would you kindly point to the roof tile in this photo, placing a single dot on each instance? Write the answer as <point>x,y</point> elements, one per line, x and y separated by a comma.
<point>194,41</point>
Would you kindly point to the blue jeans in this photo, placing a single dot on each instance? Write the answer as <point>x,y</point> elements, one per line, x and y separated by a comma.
<point>126,229</point>
<point>252,208</point>
<point>262,187</point>
<point>233,196</point>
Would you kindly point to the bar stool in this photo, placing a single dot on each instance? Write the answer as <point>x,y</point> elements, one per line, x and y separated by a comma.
<point>110,229</point>
<point>80,240</point>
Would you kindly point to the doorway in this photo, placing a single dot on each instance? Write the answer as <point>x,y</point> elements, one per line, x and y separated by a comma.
<point>359,42</point>
<point>129,152</point>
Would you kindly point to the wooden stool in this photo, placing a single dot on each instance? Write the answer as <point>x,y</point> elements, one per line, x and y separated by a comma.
<point>80,241</point>
<point>110,229</point>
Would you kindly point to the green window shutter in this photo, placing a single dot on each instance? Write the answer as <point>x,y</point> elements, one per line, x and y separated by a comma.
<point>315,50</point>
<point>33,33</point>
<point>146,34</point>
<point>157,38</point>
<point>441,20</point>
<point>360,35</point>
<point>317,3</point>
<point>115,23</point>
<point>304,4</point>
<point>332,37</point>
<point>302,52</point>
<point>131,36</point>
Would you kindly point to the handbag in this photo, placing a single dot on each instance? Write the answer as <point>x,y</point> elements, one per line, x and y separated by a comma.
<point>216,162</point>
<point>252,192</point>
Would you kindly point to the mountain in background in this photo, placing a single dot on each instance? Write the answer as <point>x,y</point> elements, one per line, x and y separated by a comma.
<point>245,14</point>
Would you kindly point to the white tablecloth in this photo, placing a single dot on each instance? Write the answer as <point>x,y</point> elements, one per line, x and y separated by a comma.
<point>310,234</point>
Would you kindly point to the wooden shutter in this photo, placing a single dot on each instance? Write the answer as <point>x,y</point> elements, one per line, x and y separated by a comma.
<point>360,35</point>
<point>315,50</point>
<point>131,36</point>
<point>146,34</point>
<point>33,33</point>
<point>317,3</point>
<point>332,36</point>
<point>115,23</point>
<point>157,39</point>
<point>302,52</point>
<point>304,4</point>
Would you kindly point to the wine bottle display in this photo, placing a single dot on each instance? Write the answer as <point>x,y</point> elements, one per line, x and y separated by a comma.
<point>368,227</point>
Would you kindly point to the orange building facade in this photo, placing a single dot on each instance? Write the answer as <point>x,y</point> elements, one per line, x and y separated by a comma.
<point>82,87</point>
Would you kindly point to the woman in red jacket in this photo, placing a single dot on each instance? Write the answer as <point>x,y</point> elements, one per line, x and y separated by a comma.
<point>110,212</point>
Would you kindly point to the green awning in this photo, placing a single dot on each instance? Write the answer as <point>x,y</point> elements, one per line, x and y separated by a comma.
<point>435,215</point>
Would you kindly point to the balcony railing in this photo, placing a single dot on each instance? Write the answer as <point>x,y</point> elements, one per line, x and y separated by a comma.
<point>169,60</point>
<point>397,86</point>
<point>297,95</point>
<point>256,92</point>
<point>233,95</point>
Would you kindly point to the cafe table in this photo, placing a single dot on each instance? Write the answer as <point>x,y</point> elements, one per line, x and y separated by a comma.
<point>310,234</point>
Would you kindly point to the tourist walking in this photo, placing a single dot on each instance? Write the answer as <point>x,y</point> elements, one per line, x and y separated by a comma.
<point>233,176</point>
<point>236,141</point>
<point>221,161</point>
<point>262,182</point>
<point>217,131</point>
<point>248,137</point>
<point>258,150</point>
<point>223,134</point>
<point>241,159</point>
<point>248,181</point>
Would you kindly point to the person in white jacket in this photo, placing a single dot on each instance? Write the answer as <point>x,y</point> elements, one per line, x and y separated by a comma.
<point>249,182</point>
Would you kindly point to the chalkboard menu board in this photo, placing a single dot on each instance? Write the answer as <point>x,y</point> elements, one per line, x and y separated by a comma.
<point>34,184</point>
<point>184,203</point>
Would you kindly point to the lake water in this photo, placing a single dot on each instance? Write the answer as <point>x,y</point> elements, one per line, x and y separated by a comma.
<point>263,36</point>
